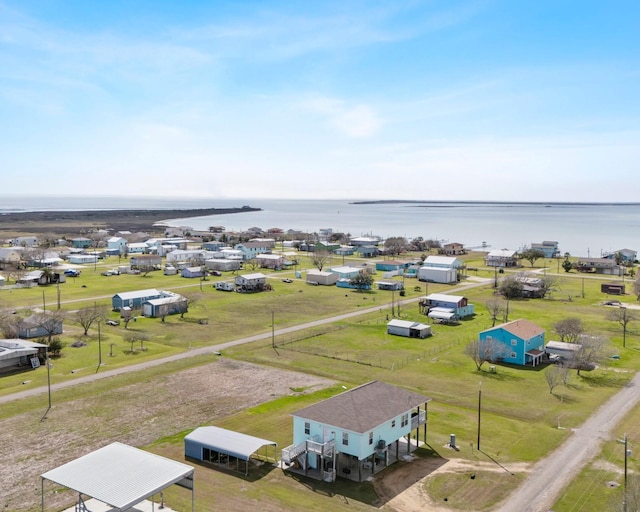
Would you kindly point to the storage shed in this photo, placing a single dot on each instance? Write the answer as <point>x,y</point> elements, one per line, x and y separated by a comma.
<point>226,448</point>
<point>615,288</point>
<point>323,278</point>
<point>155,308</point>
<point>408,329</point>
<point>438,275</point>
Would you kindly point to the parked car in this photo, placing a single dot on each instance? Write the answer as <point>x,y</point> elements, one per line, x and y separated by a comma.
<point>113,322</point>
<point>287,280</point>
<point>72,272</point>
<point>112,272</point>
<point>216,273</point>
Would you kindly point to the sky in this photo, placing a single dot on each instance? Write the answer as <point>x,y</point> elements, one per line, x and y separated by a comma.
<point>405,99</point>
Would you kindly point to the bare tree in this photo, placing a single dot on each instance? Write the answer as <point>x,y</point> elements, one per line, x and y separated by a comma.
<point>251,264</point>
<point>624,318</point>
<point>594,349</point>
<point>555,375</point>
<point>486,350</point>
<point>9,323</point>
<point>320,259</point>
<point>548,284</point>
<point>49,321</point>
<point>395,245</point>
<point>569,329</point>
<point>495,309</point>
<point>134,337</point>
<point>86,317</point>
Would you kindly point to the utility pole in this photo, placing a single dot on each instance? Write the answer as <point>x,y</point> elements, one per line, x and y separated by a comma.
<point>99,346</point>
<point>479,409</point>
<point>273,330</point>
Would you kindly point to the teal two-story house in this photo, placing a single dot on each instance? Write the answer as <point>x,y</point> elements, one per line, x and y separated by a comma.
<point>522,341</point>
<point>356,433</point>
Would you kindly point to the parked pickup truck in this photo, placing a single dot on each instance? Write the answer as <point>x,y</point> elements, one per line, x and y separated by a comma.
<point>72,272</point>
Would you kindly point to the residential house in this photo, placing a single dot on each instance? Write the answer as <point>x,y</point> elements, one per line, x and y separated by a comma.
<point>522,340</point>
<point>24,241</point>
<point>222,264</point>
<point>116,245</point>
<point>164,306</point>
<point>273,261</point>
<point>549,248</point>
<point>501,258</point>
<point>39,325</point>
<point>532,286</point>
<point>392,265</point>
<point>213,245</point>
<point>232,254</point>
<point>345,250</point>
<point>255,282</point>
<point>443,262</point>
<point>251,249</point>
<point>137,248</point>
<point>194,256</point>
<point>40,277</point>
<point>135,299</point>
<point>346,271</point>
<point>11,255</point>
<point>408,329</point>
<point>81,243</point>
<point>83,259</point>
<point>17,353</point>
<point>453,249</point>
<point>390,285</point>
<point>192,272</point>
<point>145,262</point>
<point>357,433</point>
<point>367,251</point>
<point>604,266</point>
<point>365,240</point>
<point>447,308</point>
<point>626,255</point>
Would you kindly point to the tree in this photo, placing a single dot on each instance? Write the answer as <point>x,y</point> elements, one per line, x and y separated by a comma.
<point>569,329</point>
<point>134,337</point>
<point>510,287</point>
<point>49,322</point>
<point>555,375</point>
<point>251,264</point>
<point>548,285</point>
<point>486,350</point>
<point>320,258</point>
<point>395,245</point>
<point>361,281</point>
<point>86,317</point>
<point>495,309</point>
<point>55,347</point>
<point>624,318</point>
<point>9,323</point>
<point>594,349</point>
<point>531,255</point>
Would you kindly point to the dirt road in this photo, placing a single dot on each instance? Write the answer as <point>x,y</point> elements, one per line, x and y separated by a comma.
<point>551,475</point>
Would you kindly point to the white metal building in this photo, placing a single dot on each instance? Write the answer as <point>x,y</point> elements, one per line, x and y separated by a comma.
<point>120,476</point>
<point>408,328</point>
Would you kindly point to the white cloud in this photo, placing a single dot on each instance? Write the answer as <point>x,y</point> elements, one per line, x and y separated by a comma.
<point>355,121</point>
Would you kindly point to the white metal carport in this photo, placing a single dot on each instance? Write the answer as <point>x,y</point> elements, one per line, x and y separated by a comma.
<point>228,442</point>
<point>120,476</point>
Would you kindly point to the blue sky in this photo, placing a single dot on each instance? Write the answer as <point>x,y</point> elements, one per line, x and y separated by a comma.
<point>460,100</point>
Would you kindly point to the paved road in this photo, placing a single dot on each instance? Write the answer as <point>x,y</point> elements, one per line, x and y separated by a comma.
<point>551,475</point>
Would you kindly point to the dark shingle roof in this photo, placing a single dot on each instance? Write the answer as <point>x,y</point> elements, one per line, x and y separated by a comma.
<point>363,408</point>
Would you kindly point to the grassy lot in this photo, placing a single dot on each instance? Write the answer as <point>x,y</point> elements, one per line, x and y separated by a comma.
<point>520,418</point>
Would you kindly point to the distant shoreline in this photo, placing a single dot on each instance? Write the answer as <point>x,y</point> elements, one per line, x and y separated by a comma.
<point>449,203</point>
<point>77,221</point>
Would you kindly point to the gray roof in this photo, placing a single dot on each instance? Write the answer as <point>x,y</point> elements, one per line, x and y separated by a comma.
<point>119,475</point>
<point>232,443</point>
<point>363,408</point>
<point>138,294</point>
